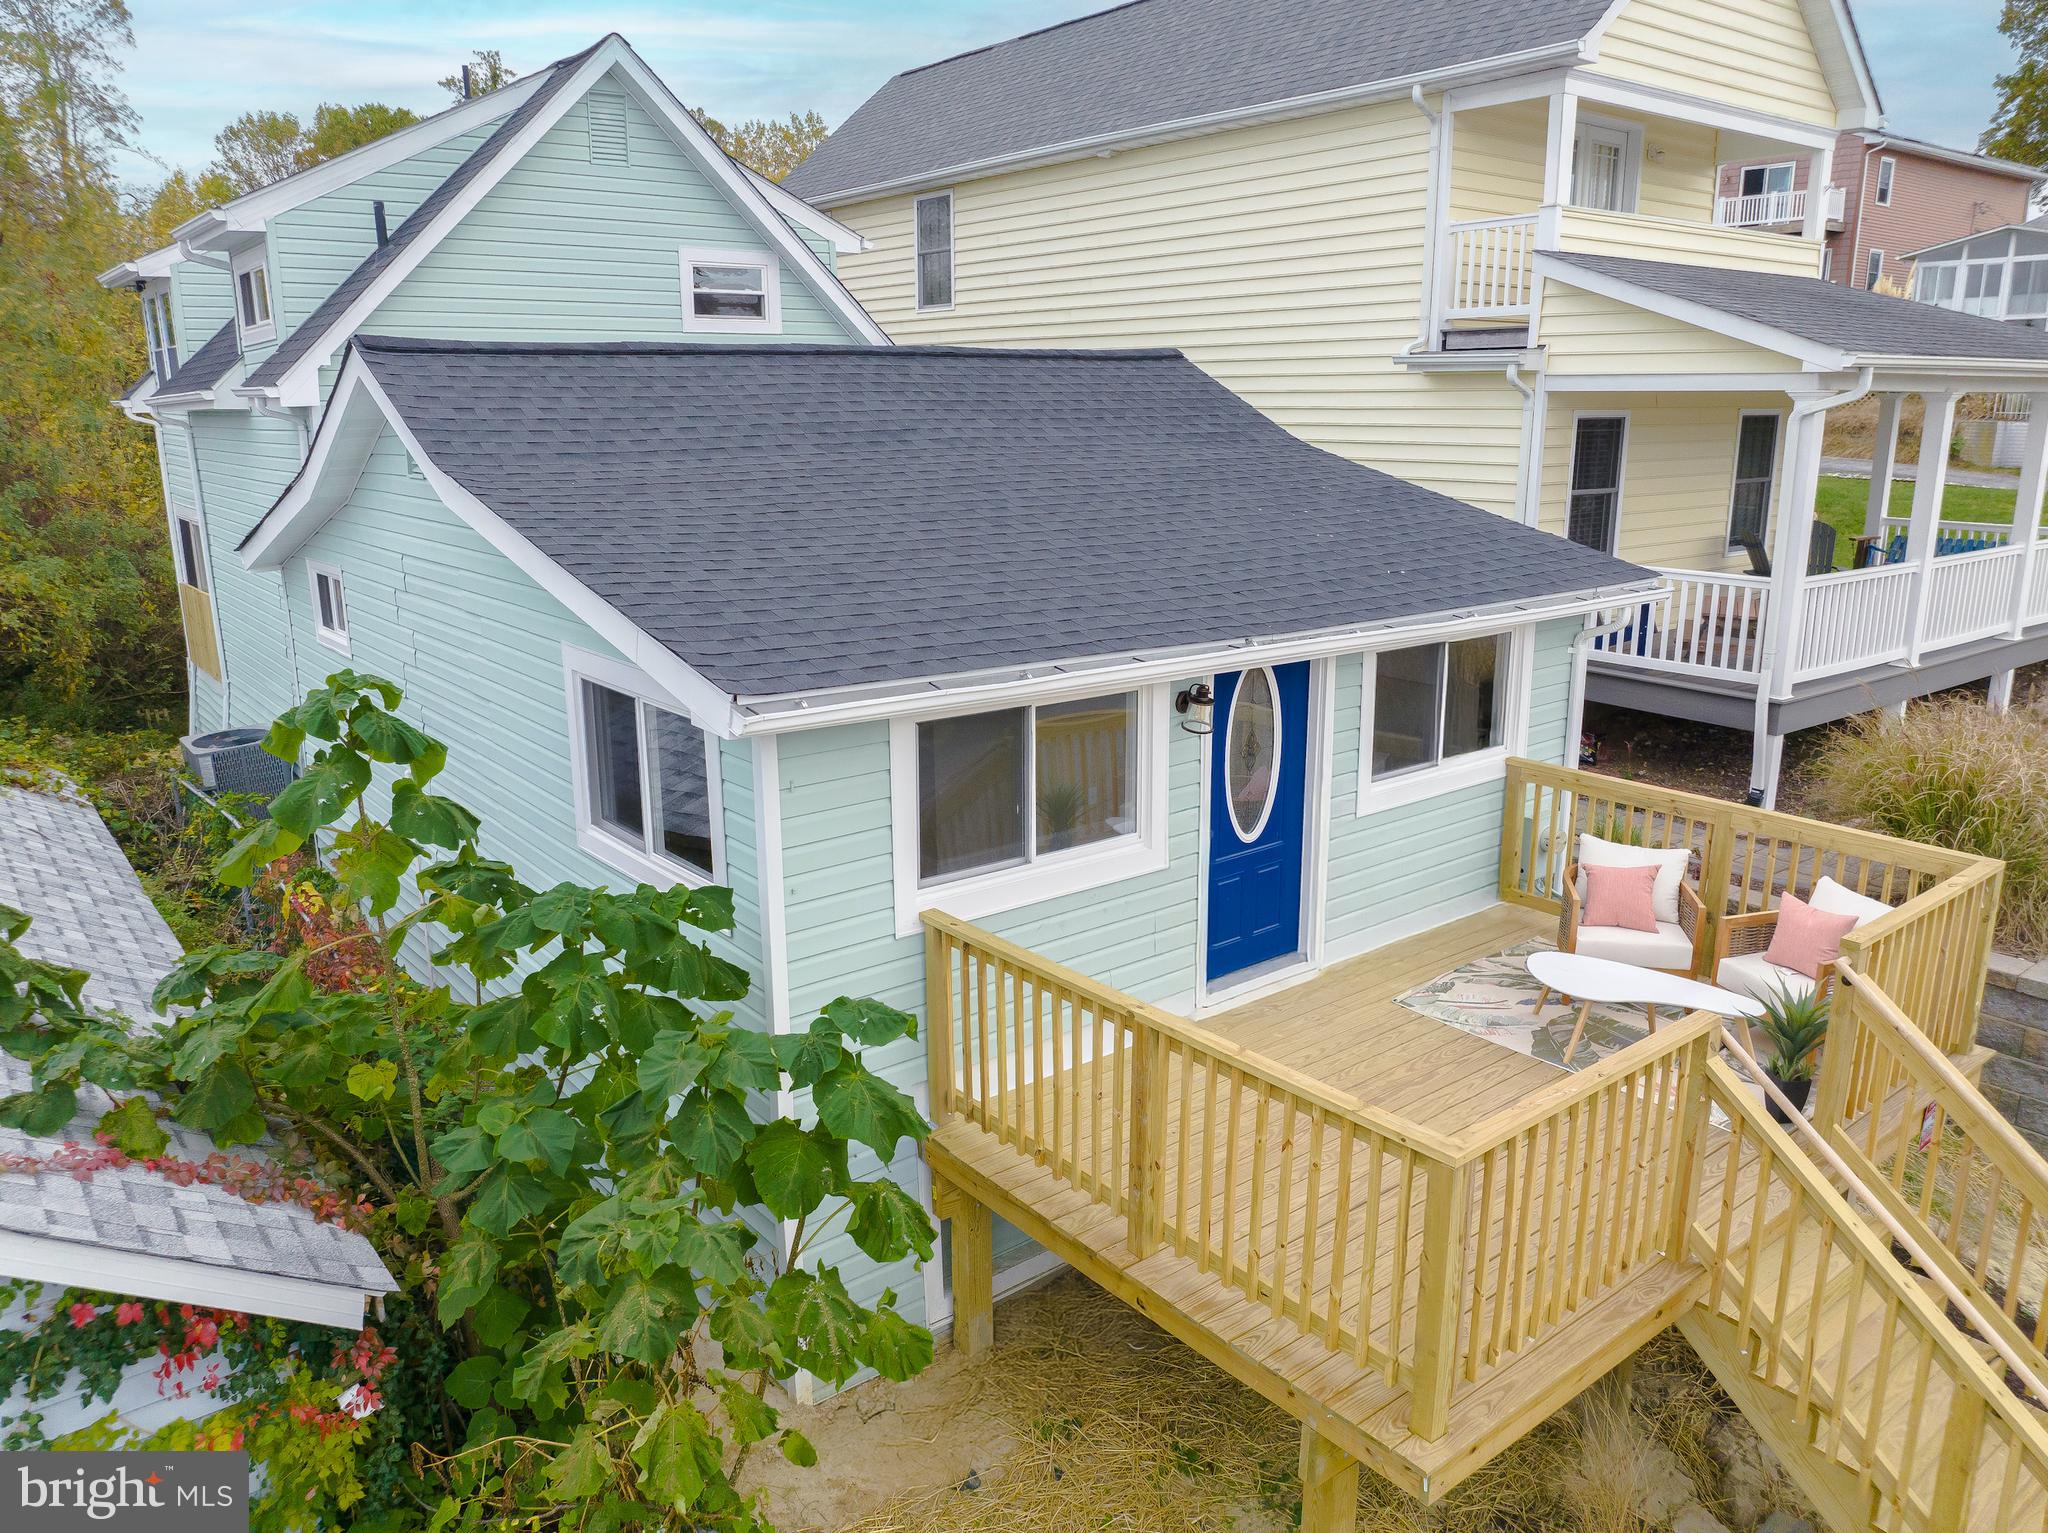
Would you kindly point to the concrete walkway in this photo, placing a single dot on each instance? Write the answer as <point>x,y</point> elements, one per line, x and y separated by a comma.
<point>1975,478</point>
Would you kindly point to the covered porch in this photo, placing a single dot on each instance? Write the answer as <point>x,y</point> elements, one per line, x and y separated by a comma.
<point>1787,621</point>
<point>1417,1241</point>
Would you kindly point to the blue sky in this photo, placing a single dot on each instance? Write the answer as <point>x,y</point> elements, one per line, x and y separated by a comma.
<point>199,63</point>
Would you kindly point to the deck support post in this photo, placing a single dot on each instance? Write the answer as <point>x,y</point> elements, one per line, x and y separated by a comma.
<point>1923,533</point>
<point>2000,696</point>
<point>2026,529</point>
<point>974,1273</point>
<point>1329,1485</point>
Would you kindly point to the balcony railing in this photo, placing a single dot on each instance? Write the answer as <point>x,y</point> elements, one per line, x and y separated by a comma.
<point>1713,625</point>
<point>1487,266</point>
<point>1766,209</point>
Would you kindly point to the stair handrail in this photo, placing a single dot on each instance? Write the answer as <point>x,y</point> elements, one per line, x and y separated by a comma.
<point>2028,1373</point>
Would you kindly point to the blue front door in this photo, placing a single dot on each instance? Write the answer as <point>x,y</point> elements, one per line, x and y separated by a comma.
<point>1258,775</point>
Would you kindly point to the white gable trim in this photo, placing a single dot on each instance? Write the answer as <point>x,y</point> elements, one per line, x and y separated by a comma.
<point>300,384</point>
<point>844,240</point>
<point>349,428</point>
<point>75,1264</point>
<point>1719,321</point>
<point>1836,44</point>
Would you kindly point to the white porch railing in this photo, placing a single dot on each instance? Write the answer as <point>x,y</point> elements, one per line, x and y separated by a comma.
<point>1712,626</point>
<point>1486,268</point>
<point>1998,533</point>
<point>1971,596</point>
<point>1853,618</point>
<point>2037,588</point>
<point>1765,208</point>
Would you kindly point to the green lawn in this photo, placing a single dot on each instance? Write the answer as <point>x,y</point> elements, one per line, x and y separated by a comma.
<point>1840,502</point>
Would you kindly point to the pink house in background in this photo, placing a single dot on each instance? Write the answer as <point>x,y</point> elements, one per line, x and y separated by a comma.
<point>1887,197</point>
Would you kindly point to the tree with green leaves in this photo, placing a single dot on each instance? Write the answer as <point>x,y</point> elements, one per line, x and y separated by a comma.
<point>772,147</point>
<point>258,148</point>
<point>56,72</point>
<point>2019,121</point>
<point>488,71</point>
<point>564,1140</point>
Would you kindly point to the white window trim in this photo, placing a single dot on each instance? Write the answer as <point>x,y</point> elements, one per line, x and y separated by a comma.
<point>770,322</point>
<point>333,638</point>
<point>1827,263</point>
<point>1048,877</point>
<point>636,862</point>
<point>1873,268</point>
<point>952,254</point>
<point>1786,165</point>
<point>257,257</point>
<point>1620,471</point>
<point>1735,468</point>
<point>1474,767</point>
<point>163,350</point>
<point>187,518</point>
<point>1885,190</point>
<point>1631,159</point>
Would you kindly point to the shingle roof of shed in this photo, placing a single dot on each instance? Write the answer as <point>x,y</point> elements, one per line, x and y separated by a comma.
<point>792,519</point>
<point>1153,62</point>
<point>335,304</point>
<point>1853,320</point>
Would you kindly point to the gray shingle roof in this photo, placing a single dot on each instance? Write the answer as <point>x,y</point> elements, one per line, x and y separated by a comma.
<point>59,864</point>
<point>1853,320</point>
<point>792,518</point>
<point>335,304</point>
<point>1159,61</point>
<point>206,366</point>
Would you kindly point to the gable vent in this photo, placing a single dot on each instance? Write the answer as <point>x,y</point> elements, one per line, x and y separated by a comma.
<point>606,115</point>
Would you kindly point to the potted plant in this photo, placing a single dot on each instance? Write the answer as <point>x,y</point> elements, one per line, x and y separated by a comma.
<point>1060,808</point>
<point>1795,1026</point>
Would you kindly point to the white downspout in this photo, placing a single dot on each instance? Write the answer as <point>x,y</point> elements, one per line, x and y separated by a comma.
<point>1432,216</point>
<point>1528,466</point>
<point>1582,649</point>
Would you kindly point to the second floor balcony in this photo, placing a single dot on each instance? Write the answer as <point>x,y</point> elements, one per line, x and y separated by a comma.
<point>1784,210</point>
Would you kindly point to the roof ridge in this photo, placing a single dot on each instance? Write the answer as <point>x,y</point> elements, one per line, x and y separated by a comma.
<point>408,343</point>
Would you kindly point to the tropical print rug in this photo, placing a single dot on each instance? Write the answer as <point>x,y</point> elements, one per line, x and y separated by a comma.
<point>1495,998</point>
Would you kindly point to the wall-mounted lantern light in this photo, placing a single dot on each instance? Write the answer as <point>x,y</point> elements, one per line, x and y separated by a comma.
<point>1195,705</point>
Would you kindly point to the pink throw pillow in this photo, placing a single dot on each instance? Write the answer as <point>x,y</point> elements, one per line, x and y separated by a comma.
<point>1621,897</point>
<point>1805,938</point>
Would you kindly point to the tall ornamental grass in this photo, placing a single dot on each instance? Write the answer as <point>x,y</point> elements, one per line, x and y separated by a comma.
<point>1952,773</point>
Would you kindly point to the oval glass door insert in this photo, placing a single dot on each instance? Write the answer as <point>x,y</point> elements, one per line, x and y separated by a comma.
<point>1251,768</point>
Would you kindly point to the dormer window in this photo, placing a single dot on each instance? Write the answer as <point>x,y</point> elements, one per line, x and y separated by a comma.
<point>727,290</point>
<point>252,299</point>
<point>157,331</point>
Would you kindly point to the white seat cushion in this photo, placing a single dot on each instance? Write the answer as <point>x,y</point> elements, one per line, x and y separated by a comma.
<point>1752,975</point>
<point>1670,866</point>
<point>1668,947</point>
<point>1837,900</point>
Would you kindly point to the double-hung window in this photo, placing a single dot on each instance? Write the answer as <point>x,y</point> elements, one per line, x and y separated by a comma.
<point>191,552</point>
<point>934,218</point>
<point>1873,269</point>
<point>1756,469</point>
<point>728,290</point>
<point>1438,716</point>
<point>647,786</point>
<point>253,315</point>
<point>1593,513</point>
<point>158,332</point>
<point>330,611</point>
<point>1887,178</point>
<point>997,808</point>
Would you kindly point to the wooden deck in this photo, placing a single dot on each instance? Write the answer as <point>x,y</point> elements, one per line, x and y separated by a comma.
<point>1293,1255</point>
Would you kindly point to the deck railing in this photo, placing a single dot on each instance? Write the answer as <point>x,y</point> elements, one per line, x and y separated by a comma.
<point>1854,618</point>
<point>1487,267</point>
<point>1711,625</point>
<point>1425,1258</point>
<point>1971,596</point>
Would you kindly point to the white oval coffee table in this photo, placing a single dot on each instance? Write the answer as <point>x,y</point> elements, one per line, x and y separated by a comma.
<point>1587,980</point>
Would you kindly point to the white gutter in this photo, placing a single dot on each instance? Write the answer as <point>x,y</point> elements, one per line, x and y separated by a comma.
<point>777,714</point>
<point>1582,650</point>
<point>1209,122</point>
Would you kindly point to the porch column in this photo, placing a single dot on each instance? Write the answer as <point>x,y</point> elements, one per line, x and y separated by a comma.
<point>1820,165</point>
<point>1937,425</point>
<point>1557,155</point>
<point>1801,482</point>
<point>1884,453</point>
<point>2026,512</point>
